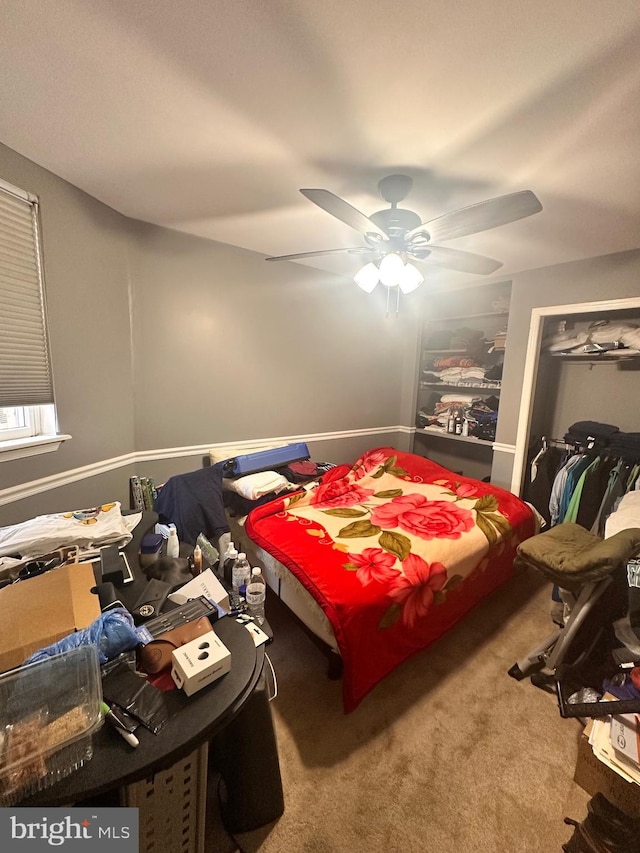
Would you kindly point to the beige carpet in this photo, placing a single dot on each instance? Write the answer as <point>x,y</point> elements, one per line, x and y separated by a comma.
<point>447,754</point>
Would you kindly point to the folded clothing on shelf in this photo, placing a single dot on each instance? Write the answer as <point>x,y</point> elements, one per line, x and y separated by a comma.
<point>591,434</point>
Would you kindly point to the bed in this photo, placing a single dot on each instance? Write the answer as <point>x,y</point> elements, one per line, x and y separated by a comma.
<point>384,556</point>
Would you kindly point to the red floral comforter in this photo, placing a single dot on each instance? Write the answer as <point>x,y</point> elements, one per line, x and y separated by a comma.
<point>396,549</point>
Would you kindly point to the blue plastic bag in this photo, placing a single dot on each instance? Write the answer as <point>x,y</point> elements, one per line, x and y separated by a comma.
<point>112,633</point>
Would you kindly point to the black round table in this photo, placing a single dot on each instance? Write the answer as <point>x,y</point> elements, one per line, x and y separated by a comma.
<point>232,716</point>
<point>193,720</point>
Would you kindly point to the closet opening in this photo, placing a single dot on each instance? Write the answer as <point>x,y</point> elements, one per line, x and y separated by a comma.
<point>574,373</point>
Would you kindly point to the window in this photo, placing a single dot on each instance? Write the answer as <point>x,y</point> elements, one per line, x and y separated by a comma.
<point>27,414</point>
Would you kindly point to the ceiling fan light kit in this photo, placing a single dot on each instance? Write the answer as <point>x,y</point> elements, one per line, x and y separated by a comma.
<point>392,272</point>
<point>395,237</point>
<point>367,277</point>
<point>411,279</point>
<point>391,267</point>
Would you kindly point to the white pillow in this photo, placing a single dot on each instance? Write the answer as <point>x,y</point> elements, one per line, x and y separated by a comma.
<point>254,486</point>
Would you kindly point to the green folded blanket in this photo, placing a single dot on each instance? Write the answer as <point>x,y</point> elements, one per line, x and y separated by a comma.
<point>570,555</point>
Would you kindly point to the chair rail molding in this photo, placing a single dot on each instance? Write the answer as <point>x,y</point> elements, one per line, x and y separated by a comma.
<point>65,478</point>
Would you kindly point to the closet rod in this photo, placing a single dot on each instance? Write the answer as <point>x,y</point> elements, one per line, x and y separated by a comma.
<point>545,440</point>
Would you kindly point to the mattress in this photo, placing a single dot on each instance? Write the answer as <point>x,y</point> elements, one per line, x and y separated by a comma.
<point>286,586</point>
<point>394,550</point>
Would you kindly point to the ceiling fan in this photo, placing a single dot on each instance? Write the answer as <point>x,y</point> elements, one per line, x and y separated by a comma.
<point>396,236</point>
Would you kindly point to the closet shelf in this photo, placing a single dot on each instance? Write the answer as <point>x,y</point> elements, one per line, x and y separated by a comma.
<point>484,386</point>
<point>442,433</point>
<point>458,351</point>
<point>594,357</point>
<point>479,316</point>
<point>483,313</point>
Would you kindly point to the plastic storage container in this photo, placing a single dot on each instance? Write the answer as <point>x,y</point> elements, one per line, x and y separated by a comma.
<point>150,548</point>
<point>49,712</point>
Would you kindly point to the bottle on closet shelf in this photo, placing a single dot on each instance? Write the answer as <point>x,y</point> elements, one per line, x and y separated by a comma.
<point>173,545</point>
<point>256,595</point>
<point>454,421</point>
<point>241,574</point>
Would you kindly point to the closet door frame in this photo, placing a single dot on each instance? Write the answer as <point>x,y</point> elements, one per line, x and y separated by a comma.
<point>530,376</point>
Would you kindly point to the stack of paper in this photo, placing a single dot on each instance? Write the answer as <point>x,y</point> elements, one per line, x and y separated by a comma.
<point>625,736</point>
<point>614,741</point>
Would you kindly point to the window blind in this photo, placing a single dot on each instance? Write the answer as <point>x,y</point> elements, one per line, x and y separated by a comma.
<point>25,370</point>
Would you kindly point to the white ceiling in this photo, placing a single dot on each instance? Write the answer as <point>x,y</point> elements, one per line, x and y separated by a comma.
<point>207,116</point>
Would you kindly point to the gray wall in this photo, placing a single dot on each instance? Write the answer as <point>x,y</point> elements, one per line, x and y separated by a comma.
<point>566,393</point>
<point>88,294</point>
<point>230,348</point>
<point>163,341</point>
<point>607,277</point>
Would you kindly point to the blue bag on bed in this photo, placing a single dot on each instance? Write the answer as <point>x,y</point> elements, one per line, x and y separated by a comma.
<point>263,460</point>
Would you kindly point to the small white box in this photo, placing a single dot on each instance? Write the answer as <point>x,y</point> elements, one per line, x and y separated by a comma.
<point>200,662</point>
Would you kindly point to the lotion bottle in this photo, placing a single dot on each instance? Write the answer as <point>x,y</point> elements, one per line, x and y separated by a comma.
<point>173,546</point>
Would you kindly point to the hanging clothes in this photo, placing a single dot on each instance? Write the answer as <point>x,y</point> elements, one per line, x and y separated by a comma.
<point>612,492</point>
<point>584,480</point>
<point>575,498</point>
<point>562,488</point>
<point>594,487</point>
<point>543,467</point>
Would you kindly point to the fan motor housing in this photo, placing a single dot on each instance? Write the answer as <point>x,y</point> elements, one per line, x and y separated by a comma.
<point>396,220</point>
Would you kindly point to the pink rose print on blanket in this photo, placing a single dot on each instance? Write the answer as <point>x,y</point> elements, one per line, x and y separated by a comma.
<point>460,490</point>
<point>370,461</point>
<point>414,590</point>
<point>418,515</point>
<point>373,564</point>
<point>464,490</point>
<point>340,493</point>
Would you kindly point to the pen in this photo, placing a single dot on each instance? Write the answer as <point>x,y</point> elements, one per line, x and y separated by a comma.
<point>130,738</point>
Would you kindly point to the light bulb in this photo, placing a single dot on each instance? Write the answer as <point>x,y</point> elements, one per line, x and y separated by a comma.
<point>411,279</point>
<point>391,267</point>
<point>367,277</point>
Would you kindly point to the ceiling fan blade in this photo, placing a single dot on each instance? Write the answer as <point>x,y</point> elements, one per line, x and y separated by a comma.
<point>481,216</point>
<point>343,211</point>
<point>358,250</point>
<point>454,259</point>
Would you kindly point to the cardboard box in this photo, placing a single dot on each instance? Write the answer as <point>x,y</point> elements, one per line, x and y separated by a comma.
<point>594,776</point>
<point>200,662</point>
<point>36,612</point>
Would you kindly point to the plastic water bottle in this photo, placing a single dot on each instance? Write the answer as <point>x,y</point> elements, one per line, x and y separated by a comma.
<point>256,595</point>
<point>228,561</point>
<point>241,574</point>
<point>173,545</point>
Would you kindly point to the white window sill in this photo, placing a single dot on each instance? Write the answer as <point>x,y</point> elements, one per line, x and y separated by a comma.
<point>32,446</point>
